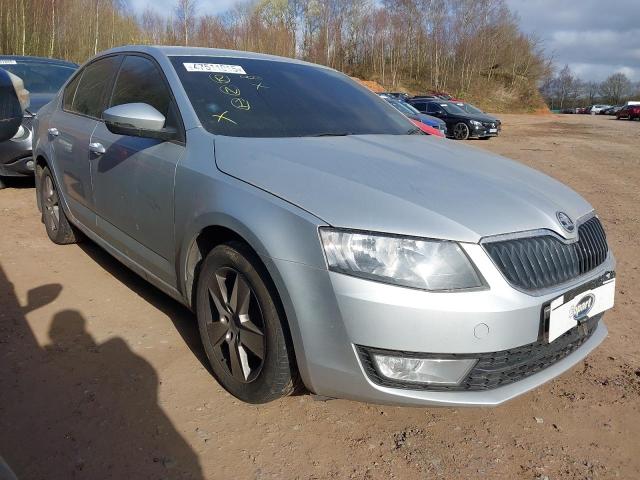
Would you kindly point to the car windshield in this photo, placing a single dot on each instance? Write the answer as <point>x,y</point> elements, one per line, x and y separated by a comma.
<point>243,97</point>
<point>470,108</point>
<point>451,108</point>
<point>39,77</point>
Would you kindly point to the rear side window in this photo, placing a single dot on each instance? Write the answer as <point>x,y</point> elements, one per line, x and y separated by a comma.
<point>96,79</point>
<point>419,106</point>
<point>70,92</point>
<point>140,81</point>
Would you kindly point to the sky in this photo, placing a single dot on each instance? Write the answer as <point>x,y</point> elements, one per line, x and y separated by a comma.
<point>595,38</point>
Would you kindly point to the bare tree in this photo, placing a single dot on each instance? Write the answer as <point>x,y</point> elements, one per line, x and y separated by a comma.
<point>186,15</point>
<point>616,88</point>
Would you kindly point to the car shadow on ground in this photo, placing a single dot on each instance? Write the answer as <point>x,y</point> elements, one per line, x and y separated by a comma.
<point>18,182</point>
<point>76,408</point>
<point>183,319</point>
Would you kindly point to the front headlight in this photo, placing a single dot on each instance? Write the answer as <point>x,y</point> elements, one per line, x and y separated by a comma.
<point>475,123</point>
<point>409,262</point>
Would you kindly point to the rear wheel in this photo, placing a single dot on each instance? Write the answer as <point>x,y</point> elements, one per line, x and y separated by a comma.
<point>55,221</point>
<point>461,131</point>
<point>241,326</point>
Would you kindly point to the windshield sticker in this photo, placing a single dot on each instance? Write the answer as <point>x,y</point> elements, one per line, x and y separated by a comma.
<point>240,103</point>
<point>219,78</point>
<point>230,90</point>
<point>8,62</point>
<point>222,116</point>
<point>214,68</point>
<point>443,104</point>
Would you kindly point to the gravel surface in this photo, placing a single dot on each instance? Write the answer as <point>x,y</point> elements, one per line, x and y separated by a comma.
<point>102,376</point>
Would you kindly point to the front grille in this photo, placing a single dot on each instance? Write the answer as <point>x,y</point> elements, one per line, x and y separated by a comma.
<point>535,263</point>
<point>494,369</point>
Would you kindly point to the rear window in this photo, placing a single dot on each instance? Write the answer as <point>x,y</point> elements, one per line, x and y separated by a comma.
<point>264,98</point>
<point>39,77</point>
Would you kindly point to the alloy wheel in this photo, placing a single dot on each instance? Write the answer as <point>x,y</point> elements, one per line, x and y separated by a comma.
<point>461,131</point>
<point>236,325</point>
<point>51,205</point>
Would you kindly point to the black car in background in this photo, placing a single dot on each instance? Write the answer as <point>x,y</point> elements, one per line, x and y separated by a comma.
<point>461,124</point>
<point>42,77</point>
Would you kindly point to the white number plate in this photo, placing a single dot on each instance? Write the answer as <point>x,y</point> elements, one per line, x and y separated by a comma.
<point>566,315</point>
<point>493,130</point>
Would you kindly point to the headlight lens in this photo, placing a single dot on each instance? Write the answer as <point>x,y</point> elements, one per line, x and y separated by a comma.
<point>475,123</point>
<point>409,262</point>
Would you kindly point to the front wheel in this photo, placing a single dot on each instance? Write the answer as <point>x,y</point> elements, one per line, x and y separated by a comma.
<point>461,131</point>
<point>241,327</point>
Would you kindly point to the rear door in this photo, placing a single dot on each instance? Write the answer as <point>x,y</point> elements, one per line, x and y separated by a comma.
<point>133,179</point>
<point>70,132</point>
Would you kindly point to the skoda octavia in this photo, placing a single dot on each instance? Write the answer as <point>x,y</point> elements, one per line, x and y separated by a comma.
<point>321,240</point>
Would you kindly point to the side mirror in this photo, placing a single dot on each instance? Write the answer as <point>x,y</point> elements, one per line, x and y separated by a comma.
<point>137,120</point>
<point>11,88</point>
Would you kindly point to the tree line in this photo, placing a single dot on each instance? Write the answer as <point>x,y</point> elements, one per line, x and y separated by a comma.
<point>566,90</point>
<point>469,48</point>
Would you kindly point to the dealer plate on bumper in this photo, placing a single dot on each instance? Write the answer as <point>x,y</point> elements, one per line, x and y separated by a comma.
<point>578,305</point>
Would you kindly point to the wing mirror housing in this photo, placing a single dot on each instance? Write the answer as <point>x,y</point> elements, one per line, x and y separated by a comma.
<point>137,120</point>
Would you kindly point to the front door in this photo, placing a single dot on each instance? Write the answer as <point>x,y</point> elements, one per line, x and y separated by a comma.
<point>133,179</point>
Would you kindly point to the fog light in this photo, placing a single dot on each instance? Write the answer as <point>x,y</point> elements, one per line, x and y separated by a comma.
<point>436,371</point>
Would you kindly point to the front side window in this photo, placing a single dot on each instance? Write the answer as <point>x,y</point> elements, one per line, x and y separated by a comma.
<point>96,79</point>
<point>264,98</point>
<point>140,81</point>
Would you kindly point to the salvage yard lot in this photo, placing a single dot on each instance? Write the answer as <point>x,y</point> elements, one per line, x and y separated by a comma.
<point>102,376</point>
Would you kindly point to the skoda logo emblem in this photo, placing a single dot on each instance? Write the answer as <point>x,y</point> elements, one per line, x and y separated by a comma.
<point>583,307</point>
<point>565,221</point>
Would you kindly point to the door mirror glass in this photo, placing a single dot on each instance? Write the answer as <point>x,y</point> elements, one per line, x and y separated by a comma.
<point>137,120</point>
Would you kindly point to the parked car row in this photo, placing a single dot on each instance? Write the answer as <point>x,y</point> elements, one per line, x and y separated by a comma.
<point>630,111</point>
<point>461,120</point>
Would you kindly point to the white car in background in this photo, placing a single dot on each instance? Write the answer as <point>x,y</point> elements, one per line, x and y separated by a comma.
<point>598,108</point>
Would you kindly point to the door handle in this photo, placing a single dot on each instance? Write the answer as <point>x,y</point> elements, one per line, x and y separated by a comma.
<point>96,148</point>
<point>53,132</point>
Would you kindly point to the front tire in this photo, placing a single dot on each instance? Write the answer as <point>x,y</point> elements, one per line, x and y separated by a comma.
<point>241,326</point>
<point>55,220</point>
<point>461,131</point>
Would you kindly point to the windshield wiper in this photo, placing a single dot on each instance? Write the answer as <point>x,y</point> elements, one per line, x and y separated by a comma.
<point>330,134</point>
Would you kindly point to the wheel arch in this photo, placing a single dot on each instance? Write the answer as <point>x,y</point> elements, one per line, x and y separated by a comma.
<point>214,234</point>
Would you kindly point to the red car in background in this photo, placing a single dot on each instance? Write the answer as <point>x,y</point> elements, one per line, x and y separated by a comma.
<point>427,129</point>
<point>629,112</point>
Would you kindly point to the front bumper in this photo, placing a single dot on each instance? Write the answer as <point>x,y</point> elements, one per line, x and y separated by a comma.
<point>485,130</point>
<point>332,314</point>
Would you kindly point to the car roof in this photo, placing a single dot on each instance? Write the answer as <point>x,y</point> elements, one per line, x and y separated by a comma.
<point>27,58</point>
<point>172,51</point>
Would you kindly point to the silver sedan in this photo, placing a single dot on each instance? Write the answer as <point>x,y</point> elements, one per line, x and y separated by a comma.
<point>321,239</point>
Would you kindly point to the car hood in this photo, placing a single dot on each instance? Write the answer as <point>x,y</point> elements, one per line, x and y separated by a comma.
<point>39,100</point>
<point>404,184</point>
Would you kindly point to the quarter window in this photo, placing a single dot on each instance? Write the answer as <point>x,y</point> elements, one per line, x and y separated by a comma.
<point>70,92</point>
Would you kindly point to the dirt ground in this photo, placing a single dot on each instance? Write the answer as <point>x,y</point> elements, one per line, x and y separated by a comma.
<point>102,376</point>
